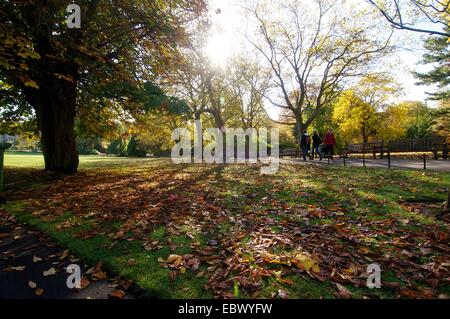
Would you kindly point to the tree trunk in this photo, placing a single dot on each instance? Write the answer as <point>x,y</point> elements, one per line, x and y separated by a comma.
<point>299,131</point>
<point>55,105</point>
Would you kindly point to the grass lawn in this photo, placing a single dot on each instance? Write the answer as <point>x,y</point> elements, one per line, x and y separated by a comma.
<point>203,231</point>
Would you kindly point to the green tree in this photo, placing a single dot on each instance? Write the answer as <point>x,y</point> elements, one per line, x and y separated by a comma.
<point>438,54</point>
<point>441,119</point>
<point>419,122</point>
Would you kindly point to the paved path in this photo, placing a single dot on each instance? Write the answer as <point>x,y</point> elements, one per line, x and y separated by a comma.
<point>19,247</point>
<point>432,165</point>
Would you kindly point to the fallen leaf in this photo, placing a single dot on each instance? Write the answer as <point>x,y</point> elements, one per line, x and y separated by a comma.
<point>117,294</point>
<point>39,292</point>
<point>126,285</point>
<point>17,268</point>
<point>97,273</point>
<point>84,282</point>
<point>36,259</point>
<point>344,293</point>
<point>363,250</point>
<point>49,272</point>
<point>173,258</point>
<point>64,254</point>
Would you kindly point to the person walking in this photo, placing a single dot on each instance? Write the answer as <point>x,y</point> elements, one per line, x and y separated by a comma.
<point>305,144</point>
<point>316,141</point>
<point>330,142</point>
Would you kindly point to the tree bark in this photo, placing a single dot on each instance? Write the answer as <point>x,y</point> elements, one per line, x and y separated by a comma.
<point>56,122</point>
<point>55,106</point>
<point>299,127</point>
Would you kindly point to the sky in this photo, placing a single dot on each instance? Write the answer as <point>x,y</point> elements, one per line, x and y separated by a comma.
<point>226,38</point>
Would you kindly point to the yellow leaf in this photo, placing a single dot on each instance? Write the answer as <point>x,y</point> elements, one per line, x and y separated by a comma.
<point>363,250</point>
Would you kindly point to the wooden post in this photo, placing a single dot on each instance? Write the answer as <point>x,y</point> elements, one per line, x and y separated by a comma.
<point>424,161</point>
<point>344,160</point>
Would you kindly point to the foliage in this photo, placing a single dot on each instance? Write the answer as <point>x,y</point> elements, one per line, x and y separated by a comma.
<point>419,123</point>
<point>438,55</point>
<point>441,121</point>
<point>356,120</point>
<point>118,147</point>
<point>133,148</point>
<point>86,145</point>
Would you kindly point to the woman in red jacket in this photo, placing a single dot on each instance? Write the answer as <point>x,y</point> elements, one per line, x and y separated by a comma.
<point>329,141</point>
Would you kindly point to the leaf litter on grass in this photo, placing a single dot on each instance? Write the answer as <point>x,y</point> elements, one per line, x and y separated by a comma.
<point>253,237</point>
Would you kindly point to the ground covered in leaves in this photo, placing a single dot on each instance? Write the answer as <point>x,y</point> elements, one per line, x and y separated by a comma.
<point>192,231</point>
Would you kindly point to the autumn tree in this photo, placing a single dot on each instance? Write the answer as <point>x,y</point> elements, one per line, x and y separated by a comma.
<point>312,52</point>
<point>248,82</point>
<point>53,65</point>
<point>355,119</point>
<point>364,110</point>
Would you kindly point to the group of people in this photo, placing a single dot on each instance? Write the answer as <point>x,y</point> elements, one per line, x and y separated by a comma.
<point>315,146</point>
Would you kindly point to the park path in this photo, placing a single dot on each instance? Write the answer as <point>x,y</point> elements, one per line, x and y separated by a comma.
<point>25,254</point>
<point>432,165</point>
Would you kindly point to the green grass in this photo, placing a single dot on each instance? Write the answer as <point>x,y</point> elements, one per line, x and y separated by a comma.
<point>36,160</point>
<point>222,202</point>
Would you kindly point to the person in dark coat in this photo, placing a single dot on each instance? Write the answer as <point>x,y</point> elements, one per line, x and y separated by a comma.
<point>316,141</point>
<point>305,144</point>
<point>330,142</point>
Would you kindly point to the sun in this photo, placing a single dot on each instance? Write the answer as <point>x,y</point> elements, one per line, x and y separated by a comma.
<point>222,40</point>
<point>219,48</point>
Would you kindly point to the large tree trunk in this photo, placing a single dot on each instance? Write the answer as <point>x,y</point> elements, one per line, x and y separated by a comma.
<point>56,122</point>
<point>55,105</point>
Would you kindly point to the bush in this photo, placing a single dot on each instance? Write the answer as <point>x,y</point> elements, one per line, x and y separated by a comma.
<point>118,147</point>
<point>133,149</point>
<point>85,145</point>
